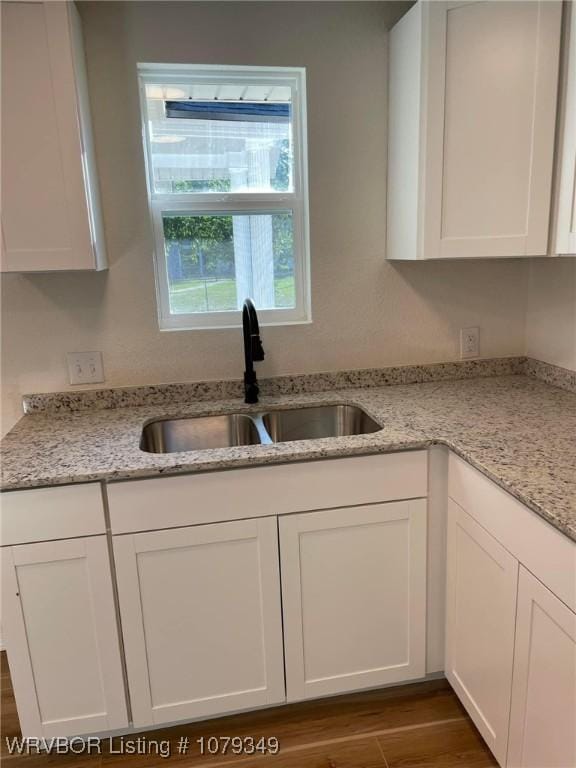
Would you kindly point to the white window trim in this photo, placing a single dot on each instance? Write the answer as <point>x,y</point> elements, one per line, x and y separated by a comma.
<point>295,202</point>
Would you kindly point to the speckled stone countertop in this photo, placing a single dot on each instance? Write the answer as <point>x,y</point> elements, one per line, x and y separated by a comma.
<point>518,431</point>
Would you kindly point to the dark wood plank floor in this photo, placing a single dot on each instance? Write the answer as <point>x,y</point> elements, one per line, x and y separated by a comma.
<point>411,726</point>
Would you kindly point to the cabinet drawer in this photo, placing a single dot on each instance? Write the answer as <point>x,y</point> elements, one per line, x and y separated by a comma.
<point>44,514</point>
<point>141,505</point>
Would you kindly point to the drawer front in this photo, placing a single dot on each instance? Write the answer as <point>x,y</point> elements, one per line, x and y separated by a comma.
<point>142,505</point>
<point>45,514</point>
<point>547,553</point>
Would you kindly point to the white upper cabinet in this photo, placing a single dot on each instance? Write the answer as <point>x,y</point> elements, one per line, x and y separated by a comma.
<point>50,213</point>
<point>472,113</point>
<point>564,242</point>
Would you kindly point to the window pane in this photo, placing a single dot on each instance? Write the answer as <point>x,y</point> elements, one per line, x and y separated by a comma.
<point>220,138</point>
<point>215,261</point>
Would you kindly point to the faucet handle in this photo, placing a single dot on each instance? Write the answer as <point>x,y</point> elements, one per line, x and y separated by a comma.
<point>257,348</point>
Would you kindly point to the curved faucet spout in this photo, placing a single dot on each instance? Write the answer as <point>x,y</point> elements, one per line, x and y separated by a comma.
<point>253,350</point>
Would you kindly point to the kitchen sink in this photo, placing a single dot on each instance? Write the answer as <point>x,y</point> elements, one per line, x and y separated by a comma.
<point>318,421</point>
<point>234,429</point>
<point>199,433</point>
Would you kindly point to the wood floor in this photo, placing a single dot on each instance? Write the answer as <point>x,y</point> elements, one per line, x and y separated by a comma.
<point>412,726</point>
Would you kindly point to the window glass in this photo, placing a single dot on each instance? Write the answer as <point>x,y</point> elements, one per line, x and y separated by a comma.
<point>214,262</point>
<point>220,139</point>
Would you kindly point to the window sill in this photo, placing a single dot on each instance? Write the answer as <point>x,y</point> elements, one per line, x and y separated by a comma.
<point>238,325</point>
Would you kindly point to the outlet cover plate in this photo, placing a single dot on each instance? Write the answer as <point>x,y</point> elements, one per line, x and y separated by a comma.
<point>469,343</point>
<point>85,367</point>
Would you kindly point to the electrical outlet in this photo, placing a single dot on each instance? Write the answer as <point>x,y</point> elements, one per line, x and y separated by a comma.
<point>469,343</point>
<point>85,367</point>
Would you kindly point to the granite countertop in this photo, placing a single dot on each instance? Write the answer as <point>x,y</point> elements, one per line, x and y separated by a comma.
<point>518,431</point>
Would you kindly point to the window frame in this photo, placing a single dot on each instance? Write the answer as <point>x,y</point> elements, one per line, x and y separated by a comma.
<point>295,202</point>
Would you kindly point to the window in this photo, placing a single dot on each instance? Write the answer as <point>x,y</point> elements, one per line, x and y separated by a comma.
<point>226,164</point>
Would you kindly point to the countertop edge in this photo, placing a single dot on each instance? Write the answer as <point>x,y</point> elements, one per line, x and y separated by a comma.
<point>329,453</point>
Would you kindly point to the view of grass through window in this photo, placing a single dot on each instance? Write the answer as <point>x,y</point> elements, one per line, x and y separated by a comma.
<point>214,260</point>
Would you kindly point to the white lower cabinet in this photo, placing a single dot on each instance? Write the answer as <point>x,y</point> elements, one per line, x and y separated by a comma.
<point>60,630</point>
<point>543,715</point>
<point>511,623</point>
<point>201,619</point>
<point>354,597</point>
<point>482,579</point>
<point>301,600</point>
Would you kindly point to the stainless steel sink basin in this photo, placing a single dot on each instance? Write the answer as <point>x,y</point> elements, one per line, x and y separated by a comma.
<point>233,429</point>
<point>319,421</point>
<point>199,433</point>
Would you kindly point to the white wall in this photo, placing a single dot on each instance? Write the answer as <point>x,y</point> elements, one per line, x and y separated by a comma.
<point>366,312</point>
<point>551,311</point>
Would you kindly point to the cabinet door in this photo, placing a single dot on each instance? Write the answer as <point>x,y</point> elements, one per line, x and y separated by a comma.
<point>543,715</point>
<point>354,597</point>
<point>46,222</point>
<point>201,619</point>
<point>60,628</point>
<point>480,611</point>
<point>492,77</point>
<point>566,222</point>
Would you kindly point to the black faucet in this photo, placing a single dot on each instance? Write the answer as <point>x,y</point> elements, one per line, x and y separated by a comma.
<point>253,350</point>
